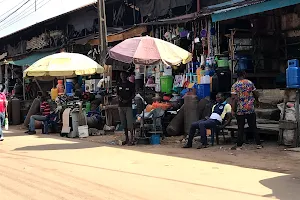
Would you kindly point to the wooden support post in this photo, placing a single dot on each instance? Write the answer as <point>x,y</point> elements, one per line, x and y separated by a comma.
<point>296,135</point>
<point>23,81</point>
<point>6,78</point>
<point>37,83</point>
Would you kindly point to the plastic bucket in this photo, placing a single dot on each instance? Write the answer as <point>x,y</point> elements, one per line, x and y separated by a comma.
<point>202,90</point>
<point>223,63</point>
<point>166,84</point>
<point>155,139</point>
<point>83,131</point>
<point>69,87</point>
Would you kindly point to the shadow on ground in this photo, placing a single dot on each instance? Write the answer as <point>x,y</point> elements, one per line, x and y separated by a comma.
<point>53,147</point>
<point>283,187</point>
<point>271,158</point>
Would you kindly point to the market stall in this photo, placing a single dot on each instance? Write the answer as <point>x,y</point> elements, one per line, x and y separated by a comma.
<point>73,95</point>
<point>151,55</point>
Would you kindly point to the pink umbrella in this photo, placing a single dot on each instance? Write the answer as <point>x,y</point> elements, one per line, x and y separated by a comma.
<point>148,50</point>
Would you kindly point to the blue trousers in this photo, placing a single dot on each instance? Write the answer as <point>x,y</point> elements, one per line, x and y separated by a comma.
<point>202,125</point>
<point>2,120</point>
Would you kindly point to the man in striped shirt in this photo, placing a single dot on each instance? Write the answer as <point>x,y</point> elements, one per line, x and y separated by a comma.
<point>44,112</point>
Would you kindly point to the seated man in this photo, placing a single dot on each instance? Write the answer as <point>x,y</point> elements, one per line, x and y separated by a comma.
<point>219,111</point>
<point>44,113</point>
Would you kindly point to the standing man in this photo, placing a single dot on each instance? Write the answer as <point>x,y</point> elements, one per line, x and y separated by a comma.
<point>126,92</point>
<point>3,104</point>
<point>244,94</point>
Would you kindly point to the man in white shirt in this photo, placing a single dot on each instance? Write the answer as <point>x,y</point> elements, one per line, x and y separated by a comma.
<point>219,111</point>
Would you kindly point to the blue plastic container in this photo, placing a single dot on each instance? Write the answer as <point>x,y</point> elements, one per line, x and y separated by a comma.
<point>293,63</point>
<point>69,87</point>
<point>293,74</point>
<point>202,90</point>
<point>244,63</point>
<point>155,139</point>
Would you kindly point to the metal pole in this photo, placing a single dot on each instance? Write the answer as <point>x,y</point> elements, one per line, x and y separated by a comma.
<point>102,31</point>
<point>133,9</point>
<point>198,6</point>
<point>6,78</point>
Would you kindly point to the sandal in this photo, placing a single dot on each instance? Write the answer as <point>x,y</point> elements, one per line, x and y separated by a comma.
<point>201,146</point>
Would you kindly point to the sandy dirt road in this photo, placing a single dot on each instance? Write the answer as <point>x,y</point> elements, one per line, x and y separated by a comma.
<point>50,168</point>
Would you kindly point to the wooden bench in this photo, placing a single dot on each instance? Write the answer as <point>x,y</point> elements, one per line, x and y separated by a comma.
<point>271,128</point>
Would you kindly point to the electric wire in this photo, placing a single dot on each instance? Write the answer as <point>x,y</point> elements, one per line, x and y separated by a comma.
<point>9,9</point>
<point>24,15</point>
<point>15,11</point>
<point>24,12</point>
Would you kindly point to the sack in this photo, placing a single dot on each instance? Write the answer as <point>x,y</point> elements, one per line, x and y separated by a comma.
<point>6,123</point>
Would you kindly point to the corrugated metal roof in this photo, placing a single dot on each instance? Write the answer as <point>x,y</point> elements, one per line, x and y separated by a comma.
<point>250,7</point>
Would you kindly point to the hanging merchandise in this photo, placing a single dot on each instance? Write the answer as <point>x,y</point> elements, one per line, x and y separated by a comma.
<point>203,60</point>
<point>178,81</point>
<point>205,79</point>
<point>60,87</point>
<point>210,40</point>
<point>212,31</point>
<point>200,73</point>
<point>156,33</point>
<point>168,36</point>
<point>174,36</point>
<point>203,32</point>
<point>167,71</point>
<point>54,93</point>
<point>190,35</point>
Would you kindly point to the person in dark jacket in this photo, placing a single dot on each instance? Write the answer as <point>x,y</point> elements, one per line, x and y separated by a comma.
<point>126,92</point>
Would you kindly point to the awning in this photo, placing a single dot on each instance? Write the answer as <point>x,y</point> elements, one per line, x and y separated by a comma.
<point>174,20</point>
<point>29,60</point>
<point>251,7</point>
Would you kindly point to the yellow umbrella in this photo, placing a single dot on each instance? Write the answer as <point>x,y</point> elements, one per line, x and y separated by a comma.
<point>64,65</point>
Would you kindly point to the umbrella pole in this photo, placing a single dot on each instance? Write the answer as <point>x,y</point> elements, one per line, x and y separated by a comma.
<point>37,83</point>
<point>65,84</point>
<point>144,96</point>
<point>24,92</point>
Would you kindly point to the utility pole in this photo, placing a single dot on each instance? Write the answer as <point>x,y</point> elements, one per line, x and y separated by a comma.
<point>102,32</point>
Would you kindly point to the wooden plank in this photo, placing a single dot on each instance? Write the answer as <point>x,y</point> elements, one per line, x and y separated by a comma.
<point>287,125</point>
<point>270,127</point>
<point>130,33</point>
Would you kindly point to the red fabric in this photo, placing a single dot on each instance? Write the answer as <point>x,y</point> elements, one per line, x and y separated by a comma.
<point>2,102</point>
<point>45,107</point>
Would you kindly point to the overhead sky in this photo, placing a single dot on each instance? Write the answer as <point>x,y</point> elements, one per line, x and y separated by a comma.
<point>15,17</point>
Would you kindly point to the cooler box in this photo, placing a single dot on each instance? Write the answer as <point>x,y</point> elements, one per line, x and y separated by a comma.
<point>202,90</point>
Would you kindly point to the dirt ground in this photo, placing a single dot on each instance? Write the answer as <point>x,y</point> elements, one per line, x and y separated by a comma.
<point>51,167</point>
<point>272,158</point>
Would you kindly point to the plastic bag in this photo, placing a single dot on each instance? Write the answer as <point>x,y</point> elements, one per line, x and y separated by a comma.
<point>6,123</point>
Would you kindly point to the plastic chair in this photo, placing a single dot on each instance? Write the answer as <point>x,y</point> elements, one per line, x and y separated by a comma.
<point>215,133</point>
<point>155,122</point>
